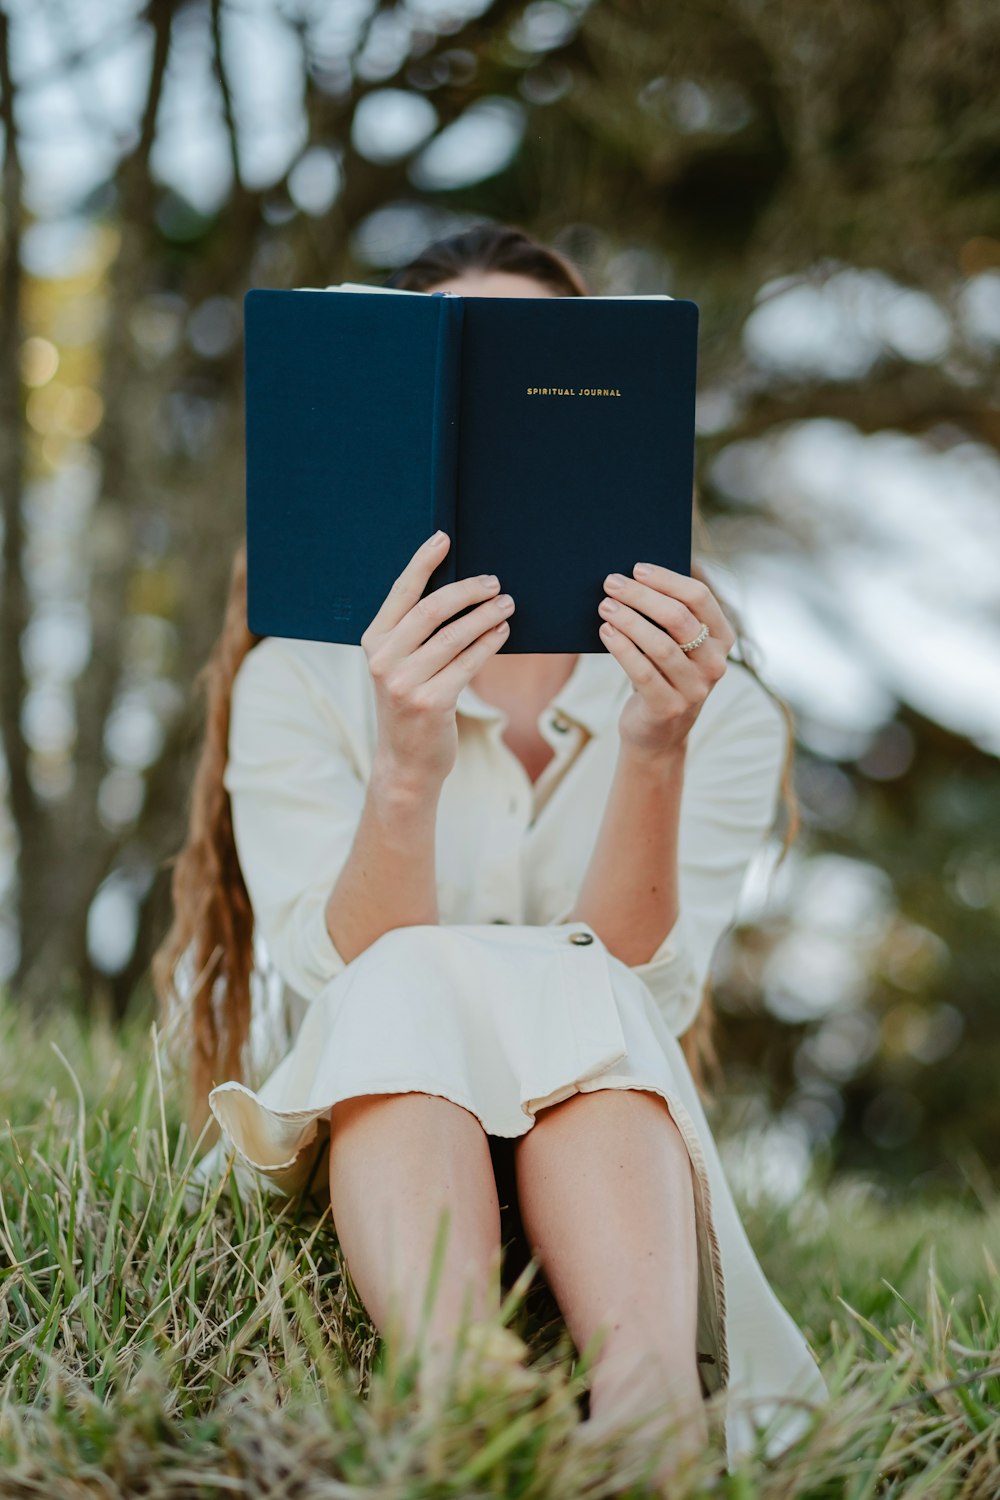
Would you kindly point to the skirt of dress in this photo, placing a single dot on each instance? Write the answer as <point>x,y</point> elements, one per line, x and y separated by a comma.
<point>505,1020</point>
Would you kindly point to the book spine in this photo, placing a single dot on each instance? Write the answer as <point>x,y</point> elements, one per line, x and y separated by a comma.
<point>444,432</point>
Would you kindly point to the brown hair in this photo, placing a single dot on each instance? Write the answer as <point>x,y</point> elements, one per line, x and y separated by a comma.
<point>208,1017</point>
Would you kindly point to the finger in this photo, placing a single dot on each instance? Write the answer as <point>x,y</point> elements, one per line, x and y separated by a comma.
<point>672,614</point>
<point>410,584</point>
<point>426,614</point>
<point>692,592</point>
<point>444,687</point>
<point>647,679</point>
<point>453,637</point>
<point>679,669</point>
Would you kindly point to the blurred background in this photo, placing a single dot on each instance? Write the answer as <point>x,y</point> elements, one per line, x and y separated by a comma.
<point>823,178</point>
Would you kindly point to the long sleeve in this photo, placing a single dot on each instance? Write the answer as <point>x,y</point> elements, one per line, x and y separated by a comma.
<point>730,798</point>
<point>296,799</point>
<point>731,785</point>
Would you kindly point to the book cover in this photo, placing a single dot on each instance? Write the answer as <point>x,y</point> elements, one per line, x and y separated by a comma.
<point>551,437</point>
<point>351,446</point>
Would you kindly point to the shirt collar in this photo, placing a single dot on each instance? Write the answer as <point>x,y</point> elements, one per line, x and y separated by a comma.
<point>591,695</point>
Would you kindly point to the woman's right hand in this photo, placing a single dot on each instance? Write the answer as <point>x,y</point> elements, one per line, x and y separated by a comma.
<point>418,670</point>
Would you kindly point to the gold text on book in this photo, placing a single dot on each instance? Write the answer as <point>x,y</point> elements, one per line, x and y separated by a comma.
<point>571,390</point>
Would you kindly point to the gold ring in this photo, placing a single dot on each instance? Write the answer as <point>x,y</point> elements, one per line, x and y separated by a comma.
<point>701,636</point>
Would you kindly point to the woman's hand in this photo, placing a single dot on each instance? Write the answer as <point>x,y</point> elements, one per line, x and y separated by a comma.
<point>418,670</point>
<point>646,617</point>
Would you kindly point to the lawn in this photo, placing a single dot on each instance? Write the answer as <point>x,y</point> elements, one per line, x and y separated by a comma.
<point>155,1343</point>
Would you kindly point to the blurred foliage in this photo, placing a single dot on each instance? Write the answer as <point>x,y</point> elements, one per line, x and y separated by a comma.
<point>722,152</point>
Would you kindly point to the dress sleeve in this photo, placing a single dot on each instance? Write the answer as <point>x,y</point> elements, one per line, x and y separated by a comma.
<point>296,800</point>
<point>732,780</point>
<point>730,798</point>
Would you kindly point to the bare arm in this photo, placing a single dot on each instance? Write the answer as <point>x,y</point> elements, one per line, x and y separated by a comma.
<point>333,858</point>
<point>630,890</point>
<point>389,878</point>
<point>419,661</point>
<point>629,893</point>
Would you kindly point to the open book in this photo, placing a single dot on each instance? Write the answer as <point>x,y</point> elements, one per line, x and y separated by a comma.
<point>551,437</point>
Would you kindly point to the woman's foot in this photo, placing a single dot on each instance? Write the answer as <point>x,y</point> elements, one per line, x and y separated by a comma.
<point>661,1446</point>
<point>489,1353</point>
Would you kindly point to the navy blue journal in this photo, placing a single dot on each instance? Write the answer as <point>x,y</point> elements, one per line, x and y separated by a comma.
<point>551,437</point>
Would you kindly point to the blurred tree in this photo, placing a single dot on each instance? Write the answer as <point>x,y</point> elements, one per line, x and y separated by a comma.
<point>727,152</point>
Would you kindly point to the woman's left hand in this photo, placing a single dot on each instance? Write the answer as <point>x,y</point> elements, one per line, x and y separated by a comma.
<point>656,610</point>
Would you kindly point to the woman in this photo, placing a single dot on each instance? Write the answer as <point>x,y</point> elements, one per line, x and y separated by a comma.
<point>494,884</point>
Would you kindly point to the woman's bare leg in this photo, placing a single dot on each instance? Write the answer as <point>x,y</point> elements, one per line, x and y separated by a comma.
<point>606,1196</point>
<point>396,1161</point>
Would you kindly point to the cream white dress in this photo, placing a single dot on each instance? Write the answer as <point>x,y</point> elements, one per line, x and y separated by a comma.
<point>505,1006</point>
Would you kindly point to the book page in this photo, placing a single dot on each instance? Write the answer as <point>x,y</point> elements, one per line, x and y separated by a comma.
<point>358,286</point>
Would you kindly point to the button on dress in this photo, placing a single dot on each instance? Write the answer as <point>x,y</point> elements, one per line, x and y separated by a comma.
<point>508,1004</point>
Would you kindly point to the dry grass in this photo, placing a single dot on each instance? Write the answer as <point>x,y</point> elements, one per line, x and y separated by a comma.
<point>151,1346</point>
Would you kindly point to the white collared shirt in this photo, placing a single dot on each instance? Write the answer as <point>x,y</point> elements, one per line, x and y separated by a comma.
<point>301,745</point>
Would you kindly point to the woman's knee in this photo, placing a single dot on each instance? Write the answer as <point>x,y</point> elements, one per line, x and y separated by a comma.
<point>350,1109</point>
<point>589,1109</point>
<point>388,1143</point>
<point>415,1104</point>
<point>600,1143</point>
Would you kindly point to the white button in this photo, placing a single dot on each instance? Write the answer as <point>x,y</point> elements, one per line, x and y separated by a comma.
<point>558,722</point>
<point>581,937</point>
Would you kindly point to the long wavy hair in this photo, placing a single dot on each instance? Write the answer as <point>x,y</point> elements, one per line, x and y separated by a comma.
<point>211,937</point>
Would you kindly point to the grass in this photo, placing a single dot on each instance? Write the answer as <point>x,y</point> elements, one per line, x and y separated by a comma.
<point>155,1343</point>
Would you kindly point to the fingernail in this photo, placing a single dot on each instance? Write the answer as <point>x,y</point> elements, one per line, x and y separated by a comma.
<point>437,537</point>
<point>614,580</point>
<point>640,570</point>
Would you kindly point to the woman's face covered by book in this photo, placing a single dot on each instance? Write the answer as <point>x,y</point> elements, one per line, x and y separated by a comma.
<point>492,284</point>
